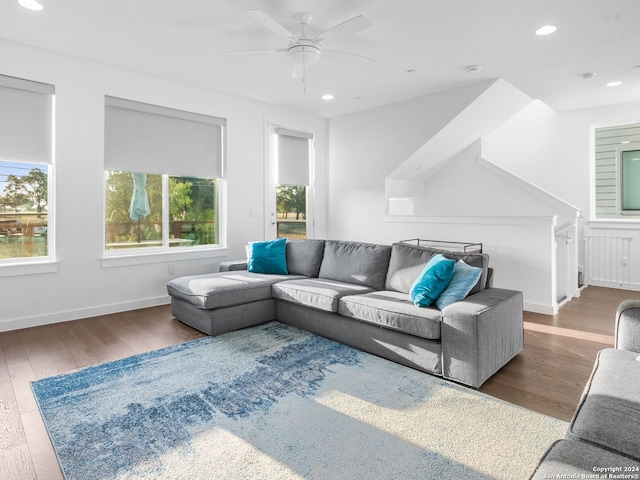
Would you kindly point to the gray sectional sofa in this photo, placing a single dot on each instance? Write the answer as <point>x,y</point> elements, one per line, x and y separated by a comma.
<point>603,439</point>
<point>358,294</point>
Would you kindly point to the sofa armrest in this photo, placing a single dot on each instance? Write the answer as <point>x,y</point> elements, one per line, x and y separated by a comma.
<point>481,334</point>
<point>232,265</point>
<point>628,326</point>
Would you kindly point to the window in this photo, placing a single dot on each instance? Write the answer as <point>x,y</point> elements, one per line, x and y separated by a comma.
<point>26,158</point>
<point>163,177</point>
<point>630,181</point>
<point>617,171</point>
<point>294,152</point>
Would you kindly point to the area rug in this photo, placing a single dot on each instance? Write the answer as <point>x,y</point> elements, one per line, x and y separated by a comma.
<point>274,402</point>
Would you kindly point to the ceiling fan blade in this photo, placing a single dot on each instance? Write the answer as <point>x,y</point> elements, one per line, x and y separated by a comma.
<point>271,24</point>
<point>256,52</point>
<point>346,28</point>
<point>341,52</point>
<point>297,71</point>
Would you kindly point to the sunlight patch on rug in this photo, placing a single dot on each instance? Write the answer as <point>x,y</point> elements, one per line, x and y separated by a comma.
<point>273,401</point>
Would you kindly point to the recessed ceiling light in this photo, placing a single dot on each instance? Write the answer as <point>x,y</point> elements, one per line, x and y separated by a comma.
<point>624,142</point>
<point>614,84</point>
<point>30,4</point>
<point>327,96</point>
<point>588,75</point>
<point>546,30</point>
<point>411,71</point>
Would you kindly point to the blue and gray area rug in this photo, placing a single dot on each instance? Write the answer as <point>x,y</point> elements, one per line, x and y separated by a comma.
<point>273,402</point>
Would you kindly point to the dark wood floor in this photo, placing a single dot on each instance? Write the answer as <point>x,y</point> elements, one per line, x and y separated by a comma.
<point>547,377</point>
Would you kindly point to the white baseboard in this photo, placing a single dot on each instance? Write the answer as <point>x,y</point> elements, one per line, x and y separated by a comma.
<point>37,320</point>
<point>538,308</point>
<point>630,286</point>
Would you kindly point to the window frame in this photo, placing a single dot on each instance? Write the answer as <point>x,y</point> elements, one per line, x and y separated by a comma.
<point>608,141</point>
<point>629,147</point>
<point>16,266</point>
<point>164,253</point>
<point>165,220</point>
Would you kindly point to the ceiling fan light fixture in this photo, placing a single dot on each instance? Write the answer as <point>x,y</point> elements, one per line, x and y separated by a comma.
<point>304,54</point>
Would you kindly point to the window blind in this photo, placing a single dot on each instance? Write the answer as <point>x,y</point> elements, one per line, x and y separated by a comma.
<point>26,121</point>
<point>293,156</point>
<point>146,138</point>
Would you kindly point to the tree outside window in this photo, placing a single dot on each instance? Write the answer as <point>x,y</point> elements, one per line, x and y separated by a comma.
<point>23,210</point>
<point>291,203</point>
<point>190,204</point>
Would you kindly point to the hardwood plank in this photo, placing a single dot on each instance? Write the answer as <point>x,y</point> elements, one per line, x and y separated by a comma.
<point>41,364</point>
<point>4,371</point>
<point>15,464</point>
<point>21,376</point>
<point>52,343</point>
<point>43,455</point>
<point>12,348</point>
<point>11,431</point>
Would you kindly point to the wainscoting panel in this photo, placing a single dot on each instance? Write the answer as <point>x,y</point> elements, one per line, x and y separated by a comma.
<point>608,261</point>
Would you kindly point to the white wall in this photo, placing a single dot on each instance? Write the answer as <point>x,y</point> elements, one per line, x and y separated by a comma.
<point>554,151</point>
<point>82,286</point>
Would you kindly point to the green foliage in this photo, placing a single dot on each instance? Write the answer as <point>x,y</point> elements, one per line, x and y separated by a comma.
<point>179,198</point>
<point>26,191</point>
<point>292,199</point>
<point>191,208</point>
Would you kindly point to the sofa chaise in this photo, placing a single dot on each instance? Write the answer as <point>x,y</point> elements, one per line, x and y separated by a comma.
<point>603,439</point>
<point>358,294</point>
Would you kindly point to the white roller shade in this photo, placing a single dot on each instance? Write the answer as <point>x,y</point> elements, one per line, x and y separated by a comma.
<point>293,156</point>
<point>146,138</point>
<point>26,121</point>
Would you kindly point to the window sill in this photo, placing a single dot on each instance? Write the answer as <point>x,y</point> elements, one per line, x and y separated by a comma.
<point>28,268</point>
<point>137,258</point>
<point>617,223</point>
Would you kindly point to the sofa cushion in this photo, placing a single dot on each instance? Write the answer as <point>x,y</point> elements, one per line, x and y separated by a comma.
<point>320,293</point>
<point>407,261</point>
<point>574,459</point>
<point>393,310</point>
<point>464,278</point>
<point>358,263</point>
<point>432,281</point>
<point>224,289</point>
<point>268,257</point>
<point>304,257</point>
<point>610,406</point>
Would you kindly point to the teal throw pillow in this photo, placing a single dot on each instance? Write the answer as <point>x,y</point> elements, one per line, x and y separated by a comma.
<point>432,281</point>
<point>464,278</point>
<point>268,257</point>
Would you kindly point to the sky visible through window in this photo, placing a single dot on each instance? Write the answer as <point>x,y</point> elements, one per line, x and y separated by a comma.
<point>14,168</point>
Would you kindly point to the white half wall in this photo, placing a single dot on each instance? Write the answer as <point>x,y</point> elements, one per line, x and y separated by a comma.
<point>79,285</point>
<point>520,249</point>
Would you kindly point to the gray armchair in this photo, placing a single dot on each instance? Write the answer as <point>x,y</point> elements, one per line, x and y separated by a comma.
<point>628,326</point>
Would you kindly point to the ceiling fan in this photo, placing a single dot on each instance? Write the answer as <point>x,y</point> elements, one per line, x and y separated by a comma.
<point>303,49</point>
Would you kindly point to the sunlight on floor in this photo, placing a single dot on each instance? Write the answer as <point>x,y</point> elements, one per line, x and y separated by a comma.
<point>568,332</point>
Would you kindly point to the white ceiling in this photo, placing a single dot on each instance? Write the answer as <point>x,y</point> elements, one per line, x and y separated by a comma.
<point>186,40</point>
